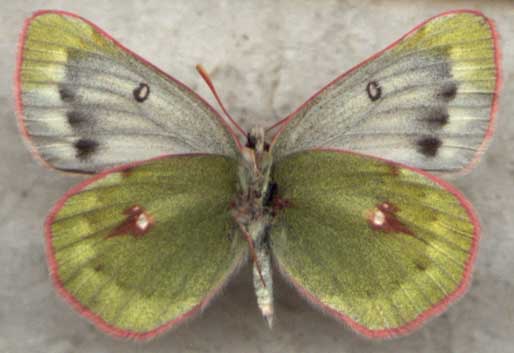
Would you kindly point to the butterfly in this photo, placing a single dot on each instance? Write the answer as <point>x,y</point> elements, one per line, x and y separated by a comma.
<point>339,196</point>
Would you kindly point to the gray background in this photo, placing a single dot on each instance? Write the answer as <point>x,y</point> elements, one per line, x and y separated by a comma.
<point>266,58</point>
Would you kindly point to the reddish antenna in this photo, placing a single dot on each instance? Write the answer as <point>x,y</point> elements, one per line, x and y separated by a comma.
<point>278,123</point>
<point>207,80</point>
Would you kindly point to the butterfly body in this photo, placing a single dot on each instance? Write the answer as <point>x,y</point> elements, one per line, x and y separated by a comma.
<point>339,199</point>
<point>253,213</point>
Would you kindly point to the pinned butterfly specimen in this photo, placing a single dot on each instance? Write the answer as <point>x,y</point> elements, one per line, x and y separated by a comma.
<point>338,195</point>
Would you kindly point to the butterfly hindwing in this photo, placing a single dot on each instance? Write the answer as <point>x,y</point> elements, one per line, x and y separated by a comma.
<point>427,101</point>
<point>141,248</point>
<point>86,103</point>
<point>376,244</point>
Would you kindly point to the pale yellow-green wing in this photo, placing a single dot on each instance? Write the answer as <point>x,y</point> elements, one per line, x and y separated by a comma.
<point>428,100</point>
<point>87,103</point>
<point>139,249</point>
<point>378,245</point>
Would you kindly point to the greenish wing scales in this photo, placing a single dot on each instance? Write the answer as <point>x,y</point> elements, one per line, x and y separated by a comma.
<point>139,249</point>
<point>378,245</point>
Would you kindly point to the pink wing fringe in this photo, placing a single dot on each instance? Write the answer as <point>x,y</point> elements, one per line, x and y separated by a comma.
<point>82,309</point>
<point>466,280</point>
<point>494,106</point>
<point>17,82</point>
<point>110,329</point>
<point>434,310</point>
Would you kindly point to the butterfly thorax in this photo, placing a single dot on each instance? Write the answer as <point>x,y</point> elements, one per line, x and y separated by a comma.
<point>253,215</point>
<point>254,174</point>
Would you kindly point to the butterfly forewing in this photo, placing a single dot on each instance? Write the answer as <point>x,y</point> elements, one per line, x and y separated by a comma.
<point>139,249</point>
<point>375,244</point>
<point>426,101</point>
<point>86,103</point>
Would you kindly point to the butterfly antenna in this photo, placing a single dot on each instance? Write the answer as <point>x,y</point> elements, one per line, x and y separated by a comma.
<point>278,123</point>
<point>201,70</point>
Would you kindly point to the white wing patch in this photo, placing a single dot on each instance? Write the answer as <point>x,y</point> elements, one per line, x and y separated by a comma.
<point>89,104</point>
<point>427,102</point>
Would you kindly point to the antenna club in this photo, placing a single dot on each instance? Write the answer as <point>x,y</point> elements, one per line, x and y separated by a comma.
<point>201,70</point>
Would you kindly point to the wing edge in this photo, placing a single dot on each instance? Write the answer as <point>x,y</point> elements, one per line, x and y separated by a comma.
<point>432,311</point>
<point>96,319</point>
<point>282,124</point>
<point>18,92</point>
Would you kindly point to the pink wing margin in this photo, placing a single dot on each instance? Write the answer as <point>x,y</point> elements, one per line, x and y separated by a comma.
<point>431,312</point>
<point>82,309</point>
<point>17,81</point>
<point>494,106</point>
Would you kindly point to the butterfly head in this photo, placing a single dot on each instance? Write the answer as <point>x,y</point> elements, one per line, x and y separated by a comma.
<point>256,140</point>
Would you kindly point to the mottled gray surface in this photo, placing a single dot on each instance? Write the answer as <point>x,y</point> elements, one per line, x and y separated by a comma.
<point>265,59</point>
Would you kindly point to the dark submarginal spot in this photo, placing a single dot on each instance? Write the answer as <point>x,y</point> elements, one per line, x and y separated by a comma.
<point>76,119</point>
<point>66,94</point>
<point>448,91</point>
<point>428,146</point>
<point>438,117</point>
<point>85,148</point>
<point>421,266</point>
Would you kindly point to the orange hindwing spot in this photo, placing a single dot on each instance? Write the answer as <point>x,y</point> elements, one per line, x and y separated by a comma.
<point>383,218</point>
<point>137,223</point>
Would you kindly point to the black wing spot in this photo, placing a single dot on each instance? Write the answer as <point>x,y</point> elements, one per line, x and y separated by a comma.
<point>77,119</point>
<point>374,90</point>
<point>448,91</point>
<point>141,92</point>
<point>437,117</point>
<point>85,148</point>
<point>428,146</point>
<point>67,95</point>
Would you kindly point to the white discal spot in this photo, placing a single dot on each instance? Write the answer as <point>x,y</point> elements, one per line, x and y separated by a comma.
<point>143,92</point>
<point>142,222</point>
<point>378,218</point>
<point>374,90</point>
